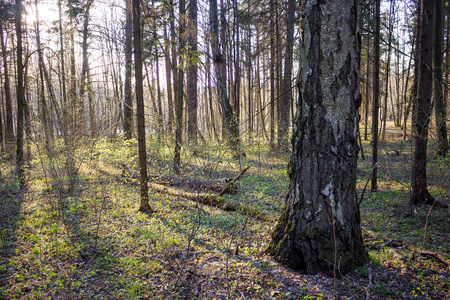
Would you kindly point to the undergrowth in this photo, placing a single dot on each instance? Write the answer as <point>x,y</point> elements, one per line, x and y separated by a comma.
<point>78,235</point>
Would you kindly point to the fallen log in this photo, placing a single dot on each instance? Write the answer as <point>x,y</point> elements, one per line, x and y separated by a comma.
<point>192,190</point>
<point>220,185</point>
<point>215,200</point>
<point>212,185</point>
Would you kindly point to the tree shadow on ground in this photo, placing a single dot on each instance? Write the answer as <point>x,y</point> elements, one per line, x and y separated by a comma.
<point>10,214</point>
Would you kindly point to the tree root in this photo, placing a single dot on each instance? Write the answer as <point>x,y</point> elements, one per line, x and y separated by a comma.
<point>375,243</point>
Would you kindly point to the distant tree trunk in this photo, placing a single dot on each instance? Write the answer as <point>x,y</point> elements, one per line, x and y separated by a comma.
<point>283,130</point>
<point>9,130</point>
<point>210,94</point>
<point>388,70</point>
<point>261,96</point>
<point>42,109</point>
<point>2,138</point>
<point>410,98</point>
<point>85,65</point>
<point>376,95</point>
<point>158,96</point>
<point>219,64</point>
<point>319,228</point>
<point>278,71</point>
<point>168,80</point>
<point>173,64</point>
<point>92,116</point>
<point>225,53</point>
<point>250,84</point>
<point>422,107</point>
<point>26,108</point>
<point>20,96</point>
<point>144,206</point>
<point>237,66</point>
<point>65,109</point>
<point>73,81</point>
<point>179,106</point>
<point>272,73</point>
<point>447,64</point>
<point>366,110</point>
<point>439,106</point>
<point>192,73</point>
<point>128,103</point>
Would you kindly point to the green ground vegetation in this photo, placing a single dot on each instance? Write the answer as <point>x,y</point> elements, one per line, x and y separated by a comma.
<point>75,232</point>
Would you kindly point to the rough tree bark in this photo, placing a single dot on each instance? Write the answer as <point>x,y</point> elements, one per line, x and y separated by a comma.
<point>319,228</point>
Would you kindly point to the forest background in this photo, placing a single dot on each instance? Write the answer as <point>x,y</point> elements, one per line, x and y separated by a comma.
<point>80,116</point>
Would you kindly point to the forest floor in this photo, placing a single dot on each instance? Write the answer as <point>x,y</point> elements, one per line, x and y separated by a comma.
<point>81,237</point>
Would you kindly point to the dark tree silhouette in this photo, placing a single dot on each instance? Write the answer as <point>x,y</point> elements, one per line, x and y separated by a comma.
<point>422,106</point>
<point>144,207</point>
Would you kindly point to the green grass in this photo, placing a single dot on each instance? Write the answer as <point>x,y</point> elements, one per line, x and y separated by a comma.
<point>81,236</point>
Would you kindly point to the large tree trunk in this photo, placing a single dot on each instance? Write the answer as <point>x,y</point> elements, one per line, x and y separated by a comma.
<point>422,107</point>
<point>439,106</point>
<point>319,229</point>
<point>144,207</point>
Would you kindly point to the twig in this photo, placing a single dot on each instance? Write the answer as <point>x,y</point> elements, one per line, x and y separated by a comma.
<point>367,182</point>
<point>234,180</point>
<point>369,275</point>
<point>426,224</point>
